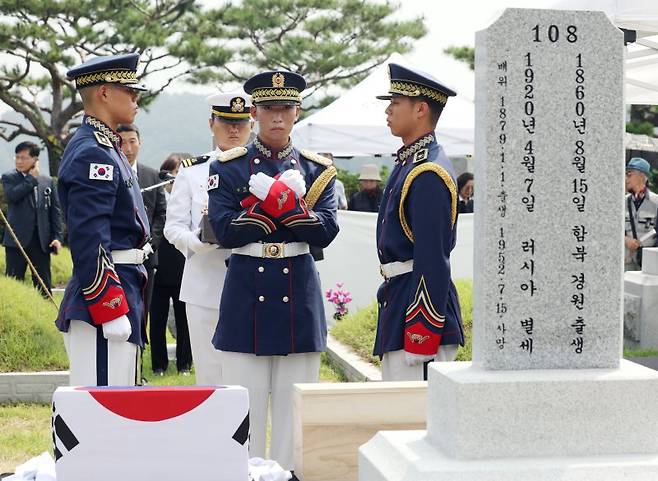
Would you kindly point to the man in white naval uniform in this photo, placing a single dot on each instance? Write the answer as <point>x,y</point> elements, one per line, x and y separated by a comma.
<point>205,264</point>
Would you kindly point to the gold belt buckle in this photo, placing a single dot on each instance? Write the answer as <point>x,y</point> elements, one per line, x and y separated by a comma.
<point>273,250</point>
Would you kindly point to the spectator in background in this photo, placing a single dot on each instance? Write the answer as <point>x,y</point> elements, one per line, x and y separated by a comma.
<point>154,200</point>
<point>465,191</point>
<point>641,206</point>
<point>370,195</point>
<point>166,286</point>
<point>339,188</point>
<point>34,215</point>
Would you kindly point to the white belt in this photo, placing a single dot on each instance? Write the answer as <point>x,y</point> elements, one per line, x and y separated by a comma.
<point>393,269</point>
<point>132,256</point>
<point>272,250</point>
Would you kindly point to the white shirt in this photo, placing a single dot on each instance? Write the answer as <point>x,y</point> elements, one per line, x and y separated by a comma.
<point>205,266</point>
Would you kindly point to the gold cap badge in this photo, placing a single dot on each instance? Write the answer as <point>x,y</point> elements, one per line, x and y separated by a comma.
<point>278,80</point>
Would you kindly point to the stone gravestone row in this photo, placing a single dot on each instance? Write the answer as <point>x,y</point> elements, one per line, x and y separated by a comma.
<point>550,178</point>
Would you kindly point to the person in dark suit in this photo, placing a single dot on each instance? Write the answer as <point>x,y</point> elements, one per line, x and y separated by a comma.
<point>369,197</point>
<point>154,200</point>
<point>33,213</point>
<point>465,193</point>
<point>167,284</point>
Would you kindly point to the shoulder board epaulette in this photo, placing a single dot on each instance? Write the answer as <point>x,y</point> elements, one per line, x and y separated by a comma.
<point>318,159</point>
<point>194,161</point>
<point>102,139</point>
<point>231,154</point>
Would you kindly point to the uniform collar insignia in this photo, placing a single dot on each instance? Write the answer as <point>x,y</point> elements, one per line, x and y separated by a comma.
<point>102,127</point>
<point>405,152</point>
<point>271,153</point>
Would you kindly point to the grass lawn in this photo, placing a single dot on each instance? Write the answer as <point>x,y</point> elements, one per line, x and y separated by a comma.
<point>61,267</point>
<point>24,433</point>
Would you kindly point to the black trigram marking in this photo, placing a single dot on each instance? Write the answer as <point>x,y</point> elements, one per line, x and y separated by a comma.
<point>242,433</point>
<point>63,434</point>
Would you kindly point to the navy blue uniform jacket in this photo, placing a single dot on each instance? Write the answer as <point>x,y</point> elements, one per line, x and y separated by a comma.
<point>271,306</point>
<point>104,212</point>
<point>418,221</point>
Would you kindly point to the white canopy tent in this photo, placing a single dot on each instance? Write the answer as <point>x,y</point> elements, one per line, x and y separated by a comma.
<point>355,123</point>
<point>641,56</point>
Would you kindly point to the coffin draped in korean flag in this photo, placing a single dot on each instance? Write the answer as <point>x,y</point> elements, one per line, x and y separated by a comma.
<point>149,433</point>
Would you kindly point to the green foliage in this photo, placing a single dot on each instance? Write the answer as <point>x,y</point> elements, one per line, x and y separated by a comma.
<point>29,340</point>
<point>25,432</point>
<point>464,54</point>
<point>41,40</point>
<point>645,113</point>
<point>327,41</point>
<point>640,127</point>
<point>349,180</point>
<point>357,330</point>
<point>631,353</point>
<point>61,267</point>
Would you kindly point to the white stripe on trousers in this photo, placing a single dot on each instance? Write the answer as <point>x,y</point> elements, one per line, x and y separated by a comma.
<point>80,344</point>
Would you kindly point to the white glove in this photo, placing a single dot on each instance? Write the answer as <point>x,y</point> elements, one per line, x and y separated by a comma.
<point>414,359</point>
<point>117,330</point>
<point>293,179</point>
<point>260,184</point>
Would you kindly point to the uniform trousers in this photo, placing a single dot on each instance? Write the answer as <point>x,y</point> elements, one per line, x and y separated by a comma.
<point>201,322</point>
<point>395,368</point>
<point>95,361</point>
<point>271,375</point>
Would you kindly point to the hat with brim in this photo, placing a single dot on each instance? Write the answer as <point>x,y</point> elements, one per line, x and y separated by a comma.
<point>110,69</point>
<point>370,172</point>
<point>232,107</point>
<point>275,87</point>
<point>408,82</point>
<point>638,163</point>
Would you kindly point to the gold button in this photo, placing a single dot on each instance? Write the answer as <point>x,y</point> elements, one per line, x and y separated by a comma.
<point>261,298</point>
<point>257,161</point>
<point>286,270</point>
<point>261,269</point>
<point>285,299</point>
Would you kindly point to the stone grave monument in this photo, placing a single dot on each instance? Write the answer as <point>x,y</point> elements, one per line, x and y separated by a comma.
<point>641,303</point>
<point>547,396</point>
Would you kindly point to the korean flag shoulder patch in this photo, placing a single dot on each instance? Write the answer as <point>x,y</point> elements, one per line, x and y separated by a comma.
<point>101,172</point>
<point>213,181</point>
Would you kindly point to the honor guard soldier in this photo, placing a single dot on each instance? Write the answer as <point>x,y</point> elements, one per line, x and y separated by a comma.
<point>269,202</point>
<point>102,313</point>
<point>419,317</point>
<point>641,206</point>
<point>205,263</point>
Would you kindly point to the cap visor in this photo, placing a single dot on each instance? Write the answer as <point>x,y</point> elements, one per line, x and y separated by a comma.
<point>230,120</point>
<point>384,97</point>
<point>276,102</point>
<point>138,87</point>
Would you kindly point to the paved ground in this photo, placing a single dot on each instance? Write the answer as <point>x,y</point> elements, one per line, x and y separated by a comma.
<point>650,362</point>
